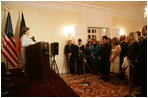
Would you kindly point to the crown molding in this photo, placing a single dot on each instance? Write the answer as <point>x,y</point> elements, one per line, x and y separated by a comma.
<point>77,6</point>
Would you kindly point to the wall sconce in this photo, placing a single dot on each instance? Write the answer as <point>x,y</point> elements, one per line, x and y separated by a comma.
<point>104,30</point>
<point>122,32</point>
<point>69,31</point>
<point>145,12</point>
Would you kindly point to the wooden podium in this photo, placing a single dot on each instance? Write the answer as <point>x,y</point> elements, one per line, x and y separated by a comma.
<point>37,61</point>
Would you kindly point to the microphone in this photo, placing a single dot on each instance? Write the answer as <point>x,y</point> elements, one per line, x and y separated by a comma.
<point>33,39</point>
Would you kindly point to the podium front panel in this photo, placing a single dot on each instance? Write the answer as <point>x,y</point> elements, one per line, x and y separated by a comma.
<point>37,61</point>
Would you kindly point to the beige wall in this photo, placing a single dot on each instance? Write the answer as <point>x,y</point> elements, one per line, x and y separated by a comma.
<point>127,24</point>
<point>45,24</point>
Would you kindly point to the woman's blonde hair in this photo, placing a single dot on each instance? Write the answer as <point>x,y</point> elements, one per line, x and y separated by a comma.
<point>135,37</point>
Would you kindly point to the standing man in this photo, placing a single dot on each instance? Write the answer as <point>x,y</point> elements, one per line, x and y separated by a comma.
<point>124,47</point>
<point>104,56</point>
<point>70,52</point>
<point>143,62</point>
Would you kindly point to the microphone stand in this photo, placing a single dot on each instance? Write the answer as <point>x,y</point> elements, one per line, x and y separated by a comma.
<point>85,83</point>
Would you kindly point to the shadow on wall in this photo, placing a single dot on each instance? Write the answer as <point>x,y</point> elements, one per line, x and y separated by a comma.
<point>17,30</point>
<point>2,31</point>
<point>65,66</point>
<point>17,33</point>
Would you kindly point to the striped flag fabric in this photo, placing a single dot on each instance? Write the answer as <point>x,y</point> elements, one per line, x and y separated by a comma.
<point>8,48</point>
<point>21,34</point>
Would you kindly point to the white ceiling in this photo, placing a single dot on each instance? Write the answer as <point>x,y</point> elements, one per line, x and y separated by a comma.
<point>135,7</point>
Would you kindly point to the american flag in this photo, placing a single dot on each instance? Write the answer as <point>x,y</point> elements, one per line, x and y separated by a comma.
<point>8,49</point>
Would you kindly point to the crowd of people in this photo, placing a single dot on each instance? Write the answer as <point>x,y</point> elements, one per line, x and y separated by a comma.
<point>109,56</point>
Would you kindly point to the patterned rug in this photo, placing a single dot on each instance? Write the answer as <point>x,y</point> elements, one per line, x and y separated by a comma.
<point>97,87</point>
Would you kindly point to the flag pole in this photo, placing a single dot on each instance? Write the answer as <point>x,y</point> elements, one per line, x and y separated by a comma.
<point>21,11</point>
<point>7,65</point>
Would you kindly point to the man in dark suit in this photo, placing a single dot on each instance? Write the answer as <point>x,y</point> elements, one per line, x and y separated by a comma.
<point>124,47</point>
<point>142,58</point>
<point>70,53</point>
<point>104,55</point>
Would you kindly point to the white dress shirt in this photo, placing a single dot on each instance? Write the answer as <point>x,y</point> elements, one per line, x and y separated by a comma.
<point>25,41</point>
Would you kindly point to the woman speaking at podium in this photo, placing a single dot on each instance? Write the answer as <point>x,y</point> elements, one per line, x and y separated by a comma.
<point>25,42</point>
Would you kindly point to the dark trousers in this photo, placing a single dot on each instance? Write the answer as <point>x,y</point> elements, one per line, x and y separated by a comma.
<point>95,67</point>
<point>79,67</point>
<point>136,69</point>
<point>121,62</point>
<point>121,77</point>
<point>106,68</point>
<point>71,65</point>
<point>143,77</point>
<point>144,85</point>
<point>100,69</point>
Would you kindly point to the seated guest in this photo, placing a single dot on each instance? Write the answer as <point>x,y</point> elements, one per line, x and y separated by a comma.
<point>80,57</point>
<point>70,53</point>
<point>4,85</point>
<point>88,56</point>
<point>94,55</point>
<point>114,58</point>
<point>104,56</point>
